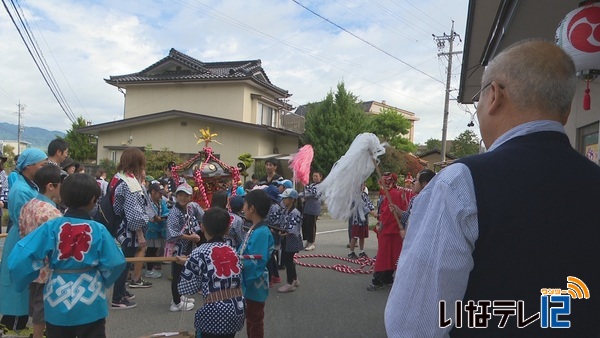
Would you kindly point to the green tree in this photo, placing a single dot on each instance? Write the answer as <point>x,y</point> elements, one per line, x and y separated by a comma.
<point>81,147</point>
<point>109,166</point>
<point>465,144</point>
<point>332,125</point>
<point>433,143</point>
<point>259,168</point>
<point>156,161</point>
<point>390,126</point>
<point>9,152</point>
<point>247,160</point>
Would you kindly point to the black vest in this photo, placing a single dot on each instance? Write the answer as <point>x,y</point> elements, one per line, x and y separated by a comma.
<point>538,203</point>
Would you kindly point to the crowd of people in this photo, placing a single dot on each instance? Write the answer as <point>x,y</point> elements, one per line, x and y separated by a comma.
<point>52,233</point>
<point>461,235</point>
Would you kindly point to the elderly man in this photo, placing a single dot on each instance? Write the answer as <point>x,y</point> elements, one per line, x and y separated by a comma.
<point>490,235</point>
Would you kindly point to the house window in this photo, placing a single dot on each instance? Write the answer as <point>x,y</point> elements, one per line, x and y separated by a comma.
<point>266,115</point>
<point>259,113</point>
<point>113,156</point>
<point>588,141</point>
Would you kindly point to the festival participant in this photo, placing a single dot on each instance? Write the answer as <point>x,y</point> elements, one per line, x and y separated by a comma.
<point>273,219</point>
<point>58,151</point>
<point>129,203</point>
<point>291,239</point>
<point>474,240</point>
<point>34,213</point>
<point>81,252</point>
<point>359,223</point>
<point>423,178</point>
<point>183,225</point>
<point>389,241</point>
<point>155,236</point>
<point>259,241</point>
<point>311,211</point>
<point>214,269</point>
<point>271,167</point>
<point>3,187</point>
<point>68,165</point>
<point>14,304</point>
<point>238,222</point>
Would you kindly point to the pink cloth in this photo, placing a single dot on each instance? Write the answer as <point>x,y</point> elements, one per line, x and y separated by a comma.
<point>33,214</point>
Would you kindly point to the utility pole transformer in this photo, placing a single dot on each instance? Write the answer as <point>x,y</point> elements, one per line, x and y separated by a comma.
<point>441,44</point>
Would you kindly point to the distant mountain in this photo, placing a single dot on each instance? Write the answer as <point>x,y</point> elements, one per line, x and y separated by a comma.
<point>38,137</point>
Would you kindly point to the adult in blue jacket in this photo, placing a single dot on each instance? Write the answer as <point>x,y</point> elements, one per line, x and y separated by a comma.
<point>14,305</point>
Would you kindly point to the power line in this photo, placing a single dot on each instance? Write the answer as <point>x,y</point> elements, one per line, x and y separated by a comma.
<point>401,19</point>
<point>314,54</point>
<point>366,17</point>
<point>56,62</point>
<point>367,42</point>
<point>40,55</point>
<point>427,15</point>
<point>47,77</point>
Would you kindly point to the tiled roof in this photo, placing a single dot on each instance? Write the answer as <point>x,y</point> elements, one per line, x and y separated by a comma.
<point>189,69</point>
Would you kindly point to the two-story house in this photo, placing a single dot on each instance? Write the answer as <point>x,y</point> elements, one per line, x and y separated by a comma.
<point>168,102</point>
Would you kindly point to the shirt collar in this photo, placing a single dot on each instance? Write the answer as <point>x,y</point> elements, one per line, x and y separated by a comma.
<point>45,198</point>
<point>528,128</point>
<point>30,183</point>
<point>77,213</point>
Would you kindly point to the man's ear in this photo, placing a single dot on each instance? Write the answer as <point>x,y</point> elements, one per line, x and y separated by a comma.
<point>497,98</point>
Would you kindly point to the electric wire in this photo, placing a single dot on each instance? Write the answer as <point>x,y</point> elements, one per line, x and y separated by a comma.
<point>227,19</point>
<point>44,75</point>
<point>367,42</point>
<point>56,62</point>
<point>40,56</point>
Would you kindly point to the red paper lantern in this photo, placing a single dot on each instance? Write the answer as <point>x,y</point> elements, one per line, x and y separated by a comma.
<point>579,35</point>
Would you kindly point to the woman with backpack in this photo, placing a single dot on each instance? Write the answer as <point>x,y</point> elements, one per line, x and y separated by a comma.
<point>129,204</point>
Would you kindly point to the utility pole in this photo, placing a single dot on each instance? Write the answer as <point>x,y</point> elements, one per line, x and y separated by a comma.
<point>20,109</point>
<point>441,43</point>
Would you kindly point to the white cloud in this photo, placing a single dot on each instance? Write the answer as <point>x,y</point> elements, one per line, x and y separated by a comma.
<point>302,53</point>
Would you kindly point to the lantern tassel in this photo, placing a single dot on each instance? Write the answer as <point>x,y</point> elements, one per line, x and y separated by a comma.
<point>587,99</point>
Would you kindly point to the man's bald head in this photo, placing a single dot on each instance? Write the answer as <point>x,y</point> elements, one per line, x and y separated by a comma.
<point>538,77</point>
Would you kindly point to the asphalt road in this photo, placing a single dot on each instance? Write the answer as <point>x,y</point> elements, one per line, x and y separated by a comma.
<point>328,303</point>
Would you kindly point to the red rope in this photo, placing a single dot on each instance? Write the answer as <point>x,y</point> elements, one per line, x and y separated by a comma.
<point>363,262</point>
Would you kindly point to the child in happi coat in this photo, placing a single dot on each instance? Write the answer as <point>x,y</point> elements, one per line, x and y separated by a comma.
<point>359,224</point>
<point>273,218</point>
<point>183,226</point>
<point>258,241</point>
<point>84,258</point>
<point>155,235</point>
<point>236,227</point>
<point>215,269</point>
<point>291,238</point>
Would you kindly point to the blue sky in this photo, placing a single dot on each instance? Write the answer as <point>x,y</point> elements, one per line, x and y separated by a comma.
<point>85,42</point>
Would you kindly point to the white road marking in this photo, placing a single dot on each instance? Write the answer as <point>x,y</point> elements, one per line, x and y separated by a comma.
<point>330,231</point>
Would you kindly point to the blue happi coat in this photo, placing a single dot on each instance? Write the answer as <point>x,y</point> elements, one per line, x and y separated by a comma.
<point>85,260</point>
<point>255,276</point>
<point>21,191</point>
